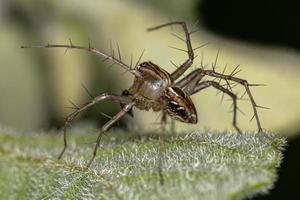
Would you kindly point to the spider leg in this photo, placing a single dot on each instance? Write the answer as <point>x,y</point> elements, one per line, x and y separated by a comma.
<point>78,110</point>
<point>240,81</point>
<point>173,131</point>
<point>182,68</point>
<point>191,80</point>
<point>106,126</point>
<point>206,84</point>
<point>161,147</point>
<point>163,122</point>
<point>106,56</point>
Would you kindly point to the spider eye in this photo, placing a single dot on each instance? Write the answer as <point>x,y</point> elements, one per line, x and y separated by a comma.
<point>125,93</point>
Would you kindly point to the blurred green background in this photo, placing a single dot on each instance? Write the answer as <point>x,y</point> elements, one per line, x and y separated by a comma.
<point>37,85</point>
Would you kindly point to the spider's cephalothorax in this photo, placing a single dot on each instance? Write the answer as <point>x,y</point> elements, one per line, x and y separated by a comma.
<point>156,89</point>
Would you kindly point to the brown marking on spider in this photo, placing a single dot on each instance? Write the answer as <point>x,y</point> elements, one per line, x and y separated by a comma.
<point>156,89</point>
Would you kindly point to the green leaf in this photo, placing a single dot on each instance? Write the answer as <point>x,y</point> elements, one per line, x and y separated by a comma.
<point>195,166</point>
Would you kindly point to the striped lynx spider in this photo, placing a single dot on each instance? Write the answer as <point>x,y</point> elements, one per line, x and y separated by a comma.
<point>155,88</point>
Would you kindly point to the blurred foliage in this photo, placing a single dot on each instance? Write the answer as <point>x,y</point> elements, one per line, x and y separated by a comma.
<point>179,8</point>
<point>41,82</point>
<point>195,166</point>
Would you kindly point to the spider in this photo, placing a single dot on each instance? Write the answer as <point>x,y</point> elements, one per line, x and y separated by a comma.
<point>155,88</point>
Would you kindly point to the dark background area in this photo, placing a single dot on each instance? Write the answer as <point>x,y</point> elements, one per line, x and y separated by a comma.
<point>272,22</point>
<point>287,186</point>
<point>267,22</point>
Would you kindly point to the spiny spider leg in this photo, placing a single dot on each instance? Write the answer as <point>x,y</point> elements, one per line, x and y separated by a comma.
<point>199,73</point>
<point>91,49</point>
<point>180,70</point>
<point>106,126</point>
<point>161,146</point>
<point>206,84</point>
<point>242,82</point>
<point>190,81</point>
<point>78,110</point>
